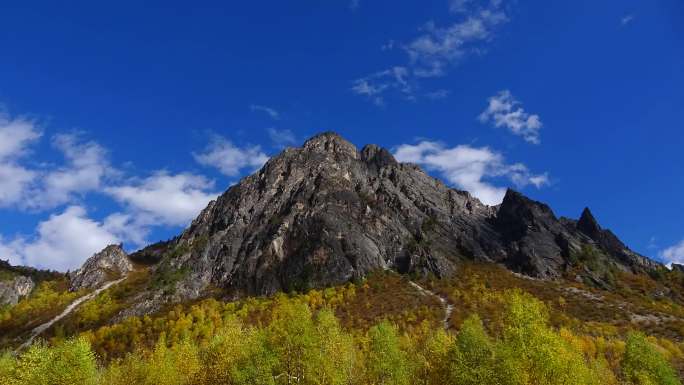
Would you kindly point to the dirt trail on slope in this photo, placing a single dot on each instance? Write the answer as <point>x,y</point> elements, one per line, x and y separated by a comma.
<point>448,307</point>
<point>39,329</point>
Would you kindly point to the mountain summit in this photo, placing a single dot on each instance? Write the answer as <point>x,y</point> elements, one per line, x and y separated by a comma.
<point>326,213</point>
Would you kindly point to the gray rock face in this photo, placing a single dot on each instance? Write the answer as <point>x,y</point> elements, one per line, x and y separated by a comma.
<point>327,213</point>
<point>108,264</point>
<point>11,291</point>
<point>678,267</point>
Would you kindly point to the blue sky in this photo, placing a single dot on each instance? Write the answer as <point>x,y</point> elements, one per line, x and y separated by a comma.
<point>120,122</point>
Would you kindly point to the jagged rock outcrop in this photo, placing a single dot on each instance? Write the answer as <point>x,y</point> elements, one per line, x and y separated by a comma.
<point>327,213</point>
<point>15,288</point>
<point>107,265</point>
<point>678,267</point>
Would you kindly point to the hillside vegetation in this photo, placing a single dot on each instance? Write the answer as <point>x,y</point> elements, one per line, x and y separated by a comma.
<point>505,329</point>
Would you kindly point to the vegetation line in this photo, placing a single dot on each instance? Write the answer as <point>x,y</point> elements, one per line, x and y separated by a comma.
<point>448,307</point>
<point>41,328</point>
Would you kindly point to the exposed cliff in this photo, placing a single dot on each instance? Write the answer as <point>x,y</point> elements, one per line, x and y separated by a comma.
<point>327,213</point>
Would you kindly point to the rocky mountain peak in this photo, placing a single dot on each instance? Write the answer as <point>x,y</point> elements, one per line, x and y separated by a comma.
<point>331,142</point>
<point>588,224</point>
<point>377,155</point>
<point>110,263</point>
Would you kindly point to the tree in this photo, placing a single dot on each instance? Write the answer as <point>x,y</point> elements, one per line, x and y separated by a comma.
<point>533,353</point>
<point>643,364</point>
<point>291,336</point>
<point>386,362</point>
<point>332,359</point>
<point>71,362</point>
<point>472,356</point>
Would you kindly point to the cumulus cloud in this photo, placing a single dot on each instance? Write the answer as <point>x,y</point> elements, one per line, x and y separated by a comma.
<point>268,110</point>
<point>470,168</point>
<point>15,137</point>
<point>85,169</point>
<point>504,111</point>
<point>14,182</point>
<point>436,49</point>
<point>673,254</point>
<point>230,159</point>
<point>164,199</point>
<point>62,242</point>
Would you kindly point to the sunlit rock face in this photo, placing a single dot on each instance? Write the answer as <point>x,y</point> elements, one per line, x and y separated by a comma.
<point>108,264</point>
<point>12,290</point>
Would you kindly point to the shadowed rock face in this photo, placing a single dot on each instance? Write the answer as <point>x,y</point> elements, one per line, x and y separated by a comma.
<point>108,264</point>
<point>327,213</point>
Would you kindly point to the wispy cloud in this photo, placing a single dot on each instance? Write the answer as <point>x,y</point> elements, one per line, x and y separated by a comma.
<point>673,254</point>
<point>275,115</point>
<point>436,49</point>
<point>230,159</point>
<point>626,19</point>
<point>505,111</point>
<point>281,138</point>
<point>373,86</point>
<point>459,6</point>
<point>439,48</point>
<point>438,94</point>
<point>354,4</point>
<point>473,169</point>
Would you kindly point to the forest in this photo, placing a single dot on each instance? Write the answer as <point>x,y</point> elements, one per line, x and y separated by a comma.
<point>379,331</point>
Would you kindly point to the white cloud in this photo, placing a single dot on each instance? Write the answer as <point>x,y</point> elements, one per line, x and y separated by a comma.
<point>14,182</point>
<point>62,242</point>
<point>268,110</point>
<point>230,159</point>
<point>86,168</point>
<point>164,199</point>
<point>15,137</point>
<point>354,4</point>
<point>470,168</point>
<point>673,254</point>
<point>281,138</point>
<point>504,111</point>
<point>626,19</point>
<point>436,49</point>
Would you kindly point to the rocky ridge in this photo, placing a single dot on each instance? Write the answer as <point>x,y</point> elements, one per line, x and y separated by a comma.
<point>327,213</point>
<point>109,264</point>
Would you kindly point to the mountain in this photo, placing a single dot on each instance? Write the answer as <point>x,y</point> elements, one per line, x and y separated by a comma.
<point>380,263</point>
<point>327,213</point>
